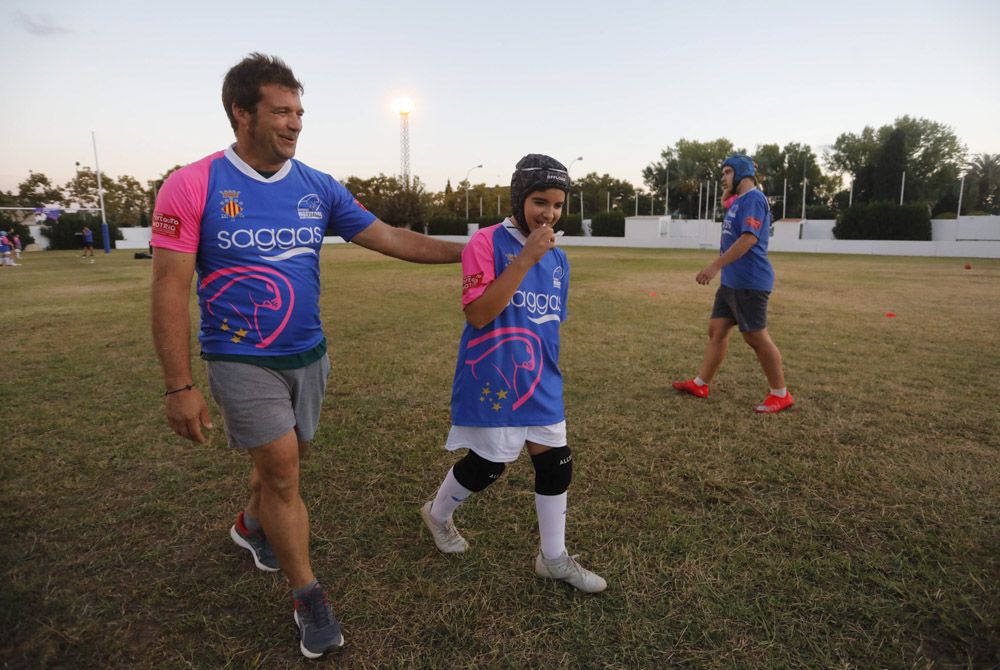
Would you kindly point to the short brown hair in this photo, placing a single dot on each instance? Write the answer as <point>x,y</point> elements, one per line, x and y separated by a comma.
<point>241,87</point>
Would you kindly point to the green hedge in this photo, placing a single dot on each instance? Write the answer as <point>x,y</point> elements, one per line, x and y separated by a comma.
<point>884,221</point>
<point>572,224</point>
<point>608,224</point>
<point>446,225</point>
<point>62,233</point>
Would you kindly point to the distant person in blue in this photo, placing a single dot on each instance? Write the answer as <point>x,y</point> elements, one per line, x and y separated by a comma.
<point>747,282</point>
<point>507,392</point>
<point>87,237</point>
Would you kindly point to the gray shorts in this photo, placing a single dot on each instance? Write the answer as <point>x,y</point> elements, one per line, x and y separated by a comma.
<point>259,405</point>
<point>746,307</point>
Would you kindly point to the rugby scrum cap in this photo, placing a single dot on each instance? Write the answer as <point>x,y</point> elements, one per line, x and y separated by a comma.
<point>535,172</point>
<point>742,167</point>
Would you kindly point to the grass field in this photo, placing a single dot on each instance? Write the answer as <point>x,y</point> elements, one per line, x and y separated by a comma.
<point>861,529</point>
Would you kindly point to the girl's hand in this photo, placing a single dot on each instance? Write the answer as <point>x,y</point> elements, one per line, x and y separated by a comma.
<point>538,243</point>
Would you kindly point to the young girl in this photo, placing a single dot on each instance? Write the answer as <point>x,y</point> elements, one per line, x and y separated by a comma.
<point>507,392</point>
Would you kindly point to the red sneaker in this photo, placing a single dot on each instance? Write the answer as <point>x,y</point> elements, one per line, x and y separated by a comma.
<point>773,403</point>
<point>689,386</point>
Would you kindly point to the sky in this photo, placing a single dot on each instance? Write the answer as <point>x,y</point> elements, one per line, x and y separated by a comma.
<point>613,82</point>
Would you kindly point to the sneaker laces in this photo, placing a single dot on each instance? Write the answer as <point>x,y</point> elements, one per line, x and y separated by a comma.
<point>318,605</point>
<point>449,530</point>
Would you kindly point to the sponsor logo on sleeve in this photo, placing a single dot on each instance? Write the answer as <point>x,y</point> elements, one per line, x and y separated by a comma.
<point>166,225</point>
<point>557,276</point>
<point>754,222</point>
<point>470,282</point>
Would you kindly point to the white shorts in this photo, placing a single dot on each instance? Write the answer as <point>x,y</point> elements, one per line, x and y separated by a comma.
<point>504,445</point>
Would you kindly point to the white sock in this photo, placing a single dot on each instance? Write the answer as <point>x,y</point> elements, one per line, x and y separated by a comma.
<point>781,393</point>
<point>448,498</point>
<point>551,512</point>
<point>698,381</point>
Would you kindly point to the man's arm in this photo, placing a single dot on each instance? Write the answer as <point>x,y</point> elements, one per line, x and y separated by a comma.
<point>407,245</point>
<point>186,410</point>
<point>739,248</point>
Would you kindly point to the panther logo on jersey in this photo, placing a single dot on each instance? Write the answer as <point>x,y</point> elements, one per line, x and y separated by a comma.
<point>257,300</point>
<point>516,370</point>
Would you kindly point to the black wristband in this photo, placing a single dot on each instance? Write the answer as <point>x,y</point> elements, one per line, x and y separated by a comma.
<point>183,388</point>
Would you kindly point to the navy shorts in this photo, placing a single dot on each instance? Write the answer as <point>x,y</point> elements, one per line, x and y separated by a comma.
<point>746,307</point>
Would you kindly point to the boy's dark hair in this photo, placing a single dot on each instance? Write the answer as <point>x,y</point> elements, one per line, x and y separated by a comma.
<point>241,87</point>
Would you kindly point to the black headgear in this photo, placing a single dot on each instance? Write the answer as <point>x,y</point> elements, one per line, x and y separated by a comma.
<point>535,172</point>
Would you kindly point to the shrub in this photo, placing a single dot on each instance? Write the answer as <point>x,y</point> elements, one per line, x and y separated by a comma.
<point>820,212</point>
<point>446,225</point>
<point>946,215</point>
<point>63,233</point>
<point>572,224</point>
<point>884,221</point>
<point>608,224</point>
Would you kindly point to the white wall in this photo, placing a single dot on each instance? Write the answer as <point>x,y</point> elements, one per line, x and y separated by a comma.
<point>966,237</point>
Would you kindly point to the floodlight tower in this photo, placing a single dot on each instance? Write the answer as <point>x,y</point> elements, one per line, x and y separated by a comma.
<point>404,106</point>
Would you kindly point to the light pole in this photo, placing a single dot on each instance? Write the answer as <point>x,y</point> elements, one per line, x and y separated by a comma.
<point>474,167</point>
<point>568,200</point>
<point>404,106</point>
<point>961,190</point>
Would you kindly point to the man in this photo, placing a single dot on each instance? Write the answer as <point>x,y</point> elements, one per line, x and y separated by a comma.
<point>747,281</point>
<point>251,220</point>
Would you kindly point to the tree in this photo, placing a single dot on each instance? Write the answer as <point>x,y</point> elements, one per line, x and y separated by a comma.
<point>690,163</point>
<point>929,152</point>
<point>125,200</point>
<point>983,184</point>
<point>598,192</point>
<point>38,191</point>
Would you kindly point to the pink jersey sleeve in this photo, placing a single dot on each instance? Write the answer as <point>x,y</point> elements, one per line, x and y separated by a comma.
<point>477,266</point>
<point>180,205</point>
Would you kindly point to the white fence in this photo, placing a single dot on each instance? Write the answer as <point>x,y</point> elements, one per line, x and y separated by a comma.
<point>965,237</point>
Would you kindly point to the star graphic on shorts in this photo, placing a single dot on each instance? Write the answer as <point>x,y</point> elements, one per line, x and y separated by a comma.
<point>235,340</point>
<point>501,395</point>
<point>496,407</point>
<point>242,332</point>
<point>486,390</point>
<point>225,324</point>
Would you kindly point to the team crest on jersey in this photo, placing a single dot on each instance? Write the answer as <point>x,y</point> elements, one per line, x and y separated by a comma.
<point>557,276</point>
<point>232,206</point>
<point>310,207</point>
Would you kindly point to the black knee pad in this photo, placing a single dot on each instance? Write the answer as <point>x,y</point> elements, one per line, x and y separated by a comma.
<point>476,473</point>
<point>553,471</point>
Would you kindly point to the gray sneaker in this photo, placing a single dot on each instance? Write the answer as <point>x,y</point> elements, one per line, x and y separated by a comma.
<point>319,630</point>
<point>256,544</point>
<point>445,534</point>
<point>565,568</point>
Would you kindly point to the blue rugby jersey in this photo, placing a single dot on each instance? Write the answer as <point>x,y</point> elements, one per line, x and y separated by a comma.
<point>257,242</point>
<point>749,213</point>
<point>507,372</point>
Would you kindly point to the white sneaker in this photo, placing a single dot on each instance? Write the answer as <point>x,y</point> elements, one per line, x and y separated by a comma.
<point>565,568</point>
<point>445,534</point>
